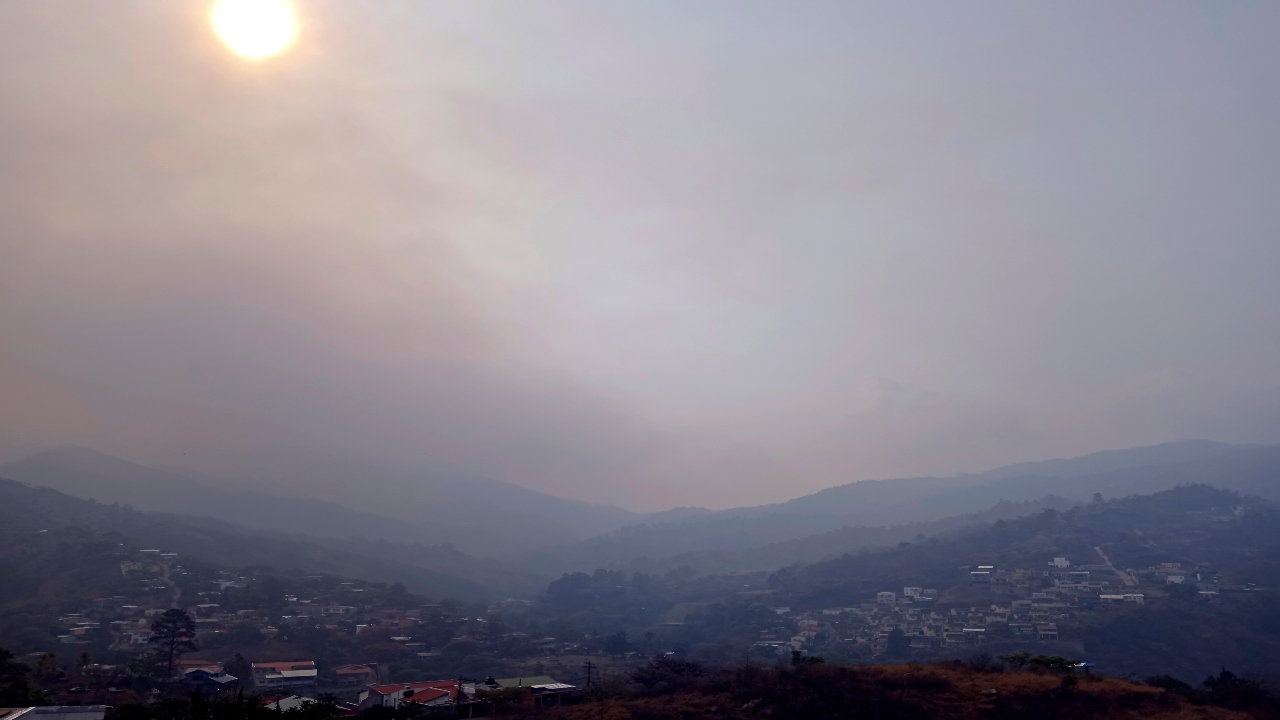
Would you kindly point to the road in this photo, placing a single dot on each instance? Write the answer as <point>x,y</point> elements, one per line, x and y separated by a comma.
<point>177,591</point>
<point>1125,577</point>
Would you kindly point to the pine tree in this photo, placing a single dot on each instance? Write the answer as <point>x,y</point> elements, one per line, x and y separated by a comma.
<point>174,632</point>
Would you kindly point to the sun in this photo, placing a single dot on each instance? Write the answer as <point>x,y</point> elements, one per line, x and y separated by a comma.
<point>255,29</point>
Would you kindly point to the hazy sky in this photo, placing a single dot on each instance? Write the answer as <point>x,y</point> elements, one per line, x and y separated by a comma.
<point>648,253</point>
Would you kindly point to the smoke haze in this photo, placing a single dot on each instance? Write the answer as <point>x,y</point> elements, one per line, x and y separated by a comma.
<point>649,254</point>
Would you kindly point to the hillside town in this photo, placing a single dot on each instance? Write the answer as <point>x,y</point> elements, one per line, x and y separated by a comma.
<point>163,625</point>
<point>1030,604</point>
<point>204,615</point>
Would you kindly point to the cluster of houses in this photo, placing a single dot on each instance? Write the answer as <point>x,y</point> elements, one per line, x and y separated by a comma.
<point>286,685</point>
<point>123,623</point>
<point>1201,576</point>
<point>870,623</point>
<point>1031,605</point>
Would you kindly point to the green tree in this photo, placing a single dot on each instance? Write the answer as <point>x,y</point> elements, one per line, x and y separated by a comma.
<point>1232,691</point>
<point>47,667</point>
<point>1017,660</point>
<point>617,644</point>
<point>800,659</point>
<point>899,645</point>
<point>1052,663</point>
<point>241,669</point>
<point>504,696</point>
<point>667,671</point>
<point>173,632</point>
<point>148,666</point>
<point>16,689</point>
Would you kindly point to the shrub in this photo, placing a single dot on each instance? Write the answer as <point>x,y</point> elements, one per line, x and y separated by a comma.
<point>1237,693</point>
<point>1017,660</point>
<point>984,663</point>
<point>1052,663</point>
<point>667,671</point>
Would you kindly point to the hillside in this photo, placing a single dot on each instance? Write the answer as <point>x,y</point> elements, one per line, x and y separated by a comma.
<point>63,555</point>
<point>883,503</point>
<point>483,517</point>
<point>1228,546</point>
<point>955,691</point>
<point>1110,600</point>
<point>32,518</point>
<point>1113,472</point>
<point>550,535</point>
<point>750,544</point>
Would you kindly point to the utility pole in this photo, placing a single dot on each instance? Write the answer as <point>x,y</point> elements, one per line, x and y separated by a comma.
<point>458,701</point>
<point>589,666</point>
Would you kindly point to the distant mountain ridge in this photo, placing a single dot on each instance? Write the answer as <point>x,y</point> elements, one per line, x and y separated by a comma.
<point>483,517</point>
<point>877,496</point>
<point>1252,469</point>
<point>663,548</point>
<point>437,570</point>
<point>549,535</point>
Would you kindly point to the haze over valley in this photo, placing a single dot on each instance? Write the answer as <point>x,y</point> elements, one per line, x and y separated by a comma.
<point>639,360</point>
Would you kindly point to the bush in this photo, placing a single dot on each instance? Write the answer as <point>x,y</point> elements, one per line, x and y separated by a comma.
<point>504,696</point>
<point>1229,690</point>
<point>16,689</point>
<point>1052,663</point>
<point>1017,660</point>
<point>667,672</point>
<point>984,663</point>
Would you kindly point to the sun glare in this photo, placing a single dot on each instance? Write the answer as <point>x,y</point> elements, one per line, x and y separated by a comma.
<point>255,29</point>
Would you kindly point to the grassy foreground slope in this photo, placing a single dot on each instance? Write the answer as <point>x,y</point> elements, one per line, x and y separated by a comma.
<point>951,691</point>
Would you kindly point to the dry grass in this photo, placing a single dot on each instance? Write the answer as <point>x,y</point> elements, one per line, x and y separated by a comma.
<point>946,691</point>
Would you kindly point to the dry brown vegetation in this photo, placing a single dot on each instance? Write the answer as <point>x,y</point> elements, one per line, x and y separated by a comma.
<point>949,691</point>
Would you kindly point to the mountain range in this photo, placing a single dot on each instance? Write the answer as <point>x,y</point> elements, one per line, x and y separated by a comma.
<point>526,534</point>
<point>28,514</point>
<point>899,503</point>
<point>484,517</point>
